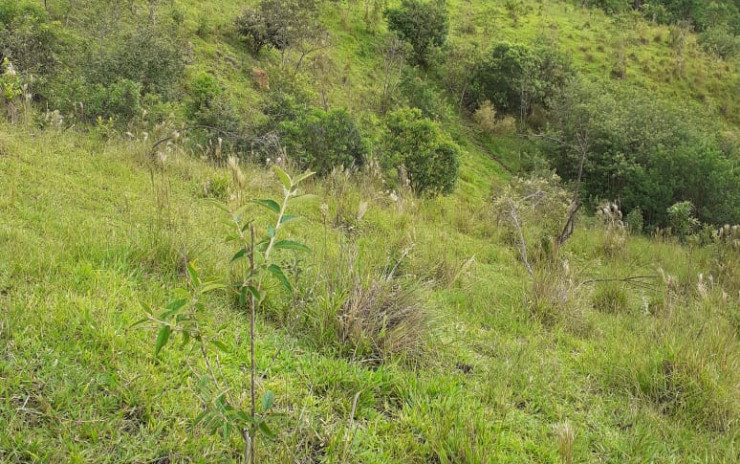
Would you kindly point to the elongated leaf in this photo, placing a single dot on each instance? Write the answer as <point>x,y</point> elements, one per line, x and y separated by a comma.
<point>211,286</point>
<point>162,337</point>
<point>193,275</point>
<point>239,254</point>
<point>258,295</point>
<point>139,322</point>
<point>266,430</point>
<point>177,304</point>
<point>289,218</point>
<point>272,205</point>
<point>268,398</point>
<point>221,346</point>
<point>270,231</point>
<point>217,204</point>
<point>290,245</point>
<point>275,269</point>
<point>201,417</point>
<point>284,177</point>
<point>303,177</point>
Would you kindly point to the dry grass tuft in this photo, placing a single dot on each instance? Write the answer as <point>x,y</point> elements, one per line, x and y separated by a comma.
<point>383,319</point>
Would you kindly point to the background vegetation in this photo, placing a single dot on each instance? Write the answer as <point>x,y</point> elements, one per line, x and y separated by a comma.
<point>521,232</point>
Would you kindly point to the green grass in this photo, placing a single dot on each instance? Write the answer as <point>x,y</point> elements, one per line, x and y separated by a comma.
<point>81,250</point>
<point>90,231</point>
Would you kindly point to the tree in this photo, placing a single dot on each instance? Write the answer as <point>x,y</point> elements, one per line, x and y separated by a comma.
<point>424,24</point>
<point>284,25</point>
<point>324,140</point>
<point>419,145</point>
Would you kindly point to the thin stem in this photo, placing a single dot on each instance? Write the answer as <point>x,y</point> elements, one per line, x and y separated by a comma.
<point>253,306</point>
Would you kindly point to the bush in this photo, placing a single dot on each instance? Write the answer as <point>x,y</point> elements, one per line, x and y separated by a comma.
<point>721,42</point>
<point>635,221</point>
<point>418,144</point>
<point>322,141</point>
<point>147,55</point>
<point>28,40</point>
<point>647,152</point>
<point>515,78</point>
<point>219,129</point>
<point>423,24</point>
<point>681,219</point>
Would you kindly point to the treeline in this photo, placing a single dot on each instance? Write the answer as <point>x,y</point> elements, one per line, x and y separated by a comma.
<point>129,66</point>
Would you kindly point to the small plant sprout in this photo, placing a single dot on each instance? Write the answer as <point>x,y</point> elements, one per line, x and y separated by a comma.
<point>259,256</point>
<point>223,410</point>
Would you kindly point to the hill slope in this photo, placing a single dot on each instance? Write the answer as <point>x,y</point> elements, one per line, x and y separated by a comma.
<point>573,363</point>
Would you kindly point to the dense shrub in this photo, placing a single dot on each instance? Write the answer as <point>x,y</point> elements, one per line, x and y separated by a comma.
<point>642,151</point>
<point>324,140</point>
<point>28,40</point>
<point>516,77</point>
<point>700,13</point>
<point>418,144</point>
<point>147,55</point>
<point>720,42</point>
<point>424,24</point>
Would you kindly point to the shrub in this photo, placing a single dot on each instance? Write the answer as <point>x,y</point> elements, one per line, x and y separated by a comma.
<point>515,78</point>
<point>324,140</point>
<point>720,42</point>
<point>418,144</point>
<point>218,127</point>
<point>645,151</point>
<point>681,219</point>
<point>635,221</point>
<point>28,39</point>
<point>423,24</point>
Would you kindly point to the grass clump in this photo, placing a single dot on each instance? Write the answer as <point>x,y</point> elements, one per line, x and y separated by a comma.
<point>610,298</point>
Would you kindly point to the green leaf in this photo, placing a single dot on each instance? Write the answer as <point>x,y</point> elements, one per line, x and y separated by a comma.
<point>271,231</point>
<point>185,337</point>
<point>268,398</point>
<point>218,204</point>
<point>139,322</point>
<point>290,245</point>
<point>275,269</point>
<point>258,296</point>
<point>272,205</point>
<point>193,275</point>
<point>284,177</point>
<point>177,304</point>
<point>211,286</point>
<point>303,177</point>
<point>289,218</point>
<point>221,346</point>
<point>266,430</point>
<point>239,254</point>
<point>203,417</point>
<point>162,337</point>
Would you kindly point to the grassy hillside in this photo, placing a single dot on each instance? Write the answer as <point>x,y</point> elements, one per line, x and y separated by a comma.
<point>619,347</point>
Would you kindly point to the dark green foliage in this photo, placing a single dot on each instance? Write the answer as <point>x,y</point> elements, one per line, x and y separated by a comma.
<point>217,126</point>
<point>516,77</point>
<point>278,23</point>
<point>146,55</point>
<point>322,140</point>
<point>423,24</point>
<point>721,42</point>
<point>700,13</point>
<point>646,153</point>
<point>428,155</point>
<point>28,40</point>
